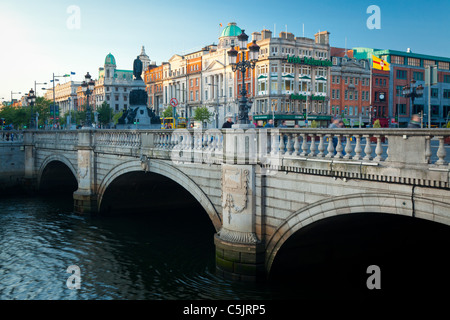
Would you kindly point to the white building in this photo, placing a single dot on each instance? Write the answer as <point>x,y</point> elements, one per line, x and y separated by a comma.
<point>64,95</point>
<point>114,85</point>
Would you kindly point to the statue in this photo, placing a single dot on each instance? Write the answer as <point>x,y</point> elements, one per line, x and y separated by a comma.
<point>137,68</point>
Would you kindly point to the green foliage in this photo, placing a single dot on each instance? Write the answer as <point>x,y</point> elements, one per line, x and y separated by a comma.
<point>168,112</point>
<point>377,124</point>
<point>448,124</point>
<point>105,113</point>
<point>117,116</point>
<point>202,114</point>
<point>314,124</point>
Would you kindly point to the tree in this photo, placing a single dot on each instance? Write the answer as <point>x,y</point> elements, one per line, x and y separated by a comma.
<point>377,124</point>
<point>105,113</point>
<point>202,114</point>
<point>168,113</point>
<point>314,124</point>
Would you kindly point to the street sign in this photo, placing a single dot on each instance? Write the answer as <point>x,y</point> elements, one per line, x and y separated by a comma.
<point>173,102</point>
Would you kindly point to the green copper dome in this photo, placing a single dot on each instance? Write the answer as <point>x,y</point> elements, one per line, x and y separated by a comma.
<point>232,30</point>
<point>110,59</point>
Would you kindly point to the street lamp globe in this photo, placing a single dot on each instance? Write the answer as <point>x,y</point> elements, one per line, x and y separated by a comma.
<point>254,51</point>
<point>232,56</point>
<point>242,40</point>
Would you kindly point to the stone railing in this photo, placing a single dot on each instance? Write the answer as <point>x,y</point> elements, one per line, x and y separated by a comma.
<point>381,154</point>
<point>55,139</point>
<point>11,136</point>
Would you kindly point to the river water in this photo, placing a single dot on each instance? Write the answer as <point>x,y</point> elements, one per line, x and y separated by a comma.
<point>155,256</point>
<point>163,255</point>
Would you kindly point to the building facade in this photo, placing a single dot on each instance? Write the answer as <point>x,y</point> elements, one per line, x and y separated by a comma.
<point>350,88</point>
<point>407,66</point>
<point>64,95</point>
<point>292,78</point>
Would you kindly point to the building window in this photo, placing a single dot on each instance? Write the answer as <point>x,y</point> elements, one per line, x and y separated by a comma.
<point>443,65</point>
<point>446,94</point>
<point>397,60</point>
<point>446,112</point>
<point>434,92</point>
<point>414,62</point>
<point>418,76</point>
<point>401,74</point>
<point>428,63</point>
<point>447,78</point>
<point>401,109</point>
<point>346,95</point>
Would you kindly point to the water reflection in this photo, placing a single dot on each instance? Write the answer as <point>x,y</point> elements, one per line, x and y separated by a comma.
<point>160,255</point>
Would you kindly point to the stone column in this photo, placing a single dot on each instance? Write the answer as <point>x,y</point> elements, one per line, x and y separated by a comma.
<point>239,253</point>
<point>30,170</point>
<point>85,198</point>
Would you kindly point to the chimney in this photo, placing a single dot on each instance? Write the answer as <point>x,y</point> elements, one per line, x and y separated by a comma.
<point>287,35</point>
<point>266,34</point>
<point>256,36</point>
<point>322,37</point>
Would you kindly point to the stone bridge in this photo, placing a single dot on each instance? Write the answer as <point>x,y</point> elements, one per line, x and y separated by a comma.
<point>258,186</point>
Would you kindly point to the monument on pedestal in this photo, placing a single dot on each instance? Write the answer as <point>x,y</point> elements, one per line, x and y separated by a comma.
<point>138,115</point>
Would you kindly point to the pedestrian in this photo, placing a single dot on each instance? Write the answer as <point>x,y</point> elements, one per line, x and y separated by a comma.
<point>415,121</point>
<point>283,124</point>
<point>334,124</point>
<point>269,124</point>
<point>229,123</point>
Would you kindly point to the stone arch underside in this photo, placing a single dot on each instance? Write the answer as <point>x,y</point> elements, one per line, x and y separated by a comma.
<point>55,157</point>
<point>386,203</point>
<point>166,170</point>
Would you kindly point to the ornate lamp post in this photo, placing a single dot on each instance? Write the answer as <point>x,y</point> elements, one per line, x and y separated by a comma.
<point>243,65</point>
<point>413,92</point>
<point>88,88</point>
<point>31,100</point>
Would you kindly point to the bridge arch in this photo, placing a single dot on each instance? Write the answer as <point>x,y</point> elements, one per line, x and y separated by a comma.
<point>56,158</point>
<point>166,170</point>
<point>387,203</point>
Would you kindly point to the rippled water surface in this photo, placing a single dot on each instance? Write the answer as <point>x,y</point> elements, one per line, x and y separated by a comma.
<point>156,256</point>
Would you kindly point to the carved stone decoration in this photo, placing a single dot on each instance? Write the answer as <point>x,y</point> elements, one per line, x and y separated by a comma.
<point>235,190</point>
<point>238,237</point>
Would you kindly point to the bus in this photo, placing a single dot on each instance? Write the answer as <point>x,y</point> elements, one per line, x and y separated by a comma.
<point>169,123</point>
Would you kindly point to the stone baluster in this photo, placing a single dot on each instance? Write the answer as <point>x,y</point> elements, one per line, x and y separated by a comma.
<point>339,147</point>
<point>330,148</point>
<point>274,143</point>
<point>378,150</point>
<point>321,153</point>
<point>312,148</point>
<point>368,148</point>
<point>441,153</point>
<point>281,144</point>
<point>290,145</point>
<point>296,144</point>
<point>427,149</point>
<point>348,147</point>
<point>304,145</point>
<point>358,149</point>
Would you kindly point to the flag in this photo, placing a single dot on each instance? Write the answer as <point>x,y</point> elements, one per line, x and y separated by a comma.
<point>380,64</point>
<point>220,25</point>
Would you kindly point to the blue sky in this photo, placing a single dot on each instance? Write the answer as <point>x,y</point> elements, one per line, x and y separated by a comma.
<point>36,42</point>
